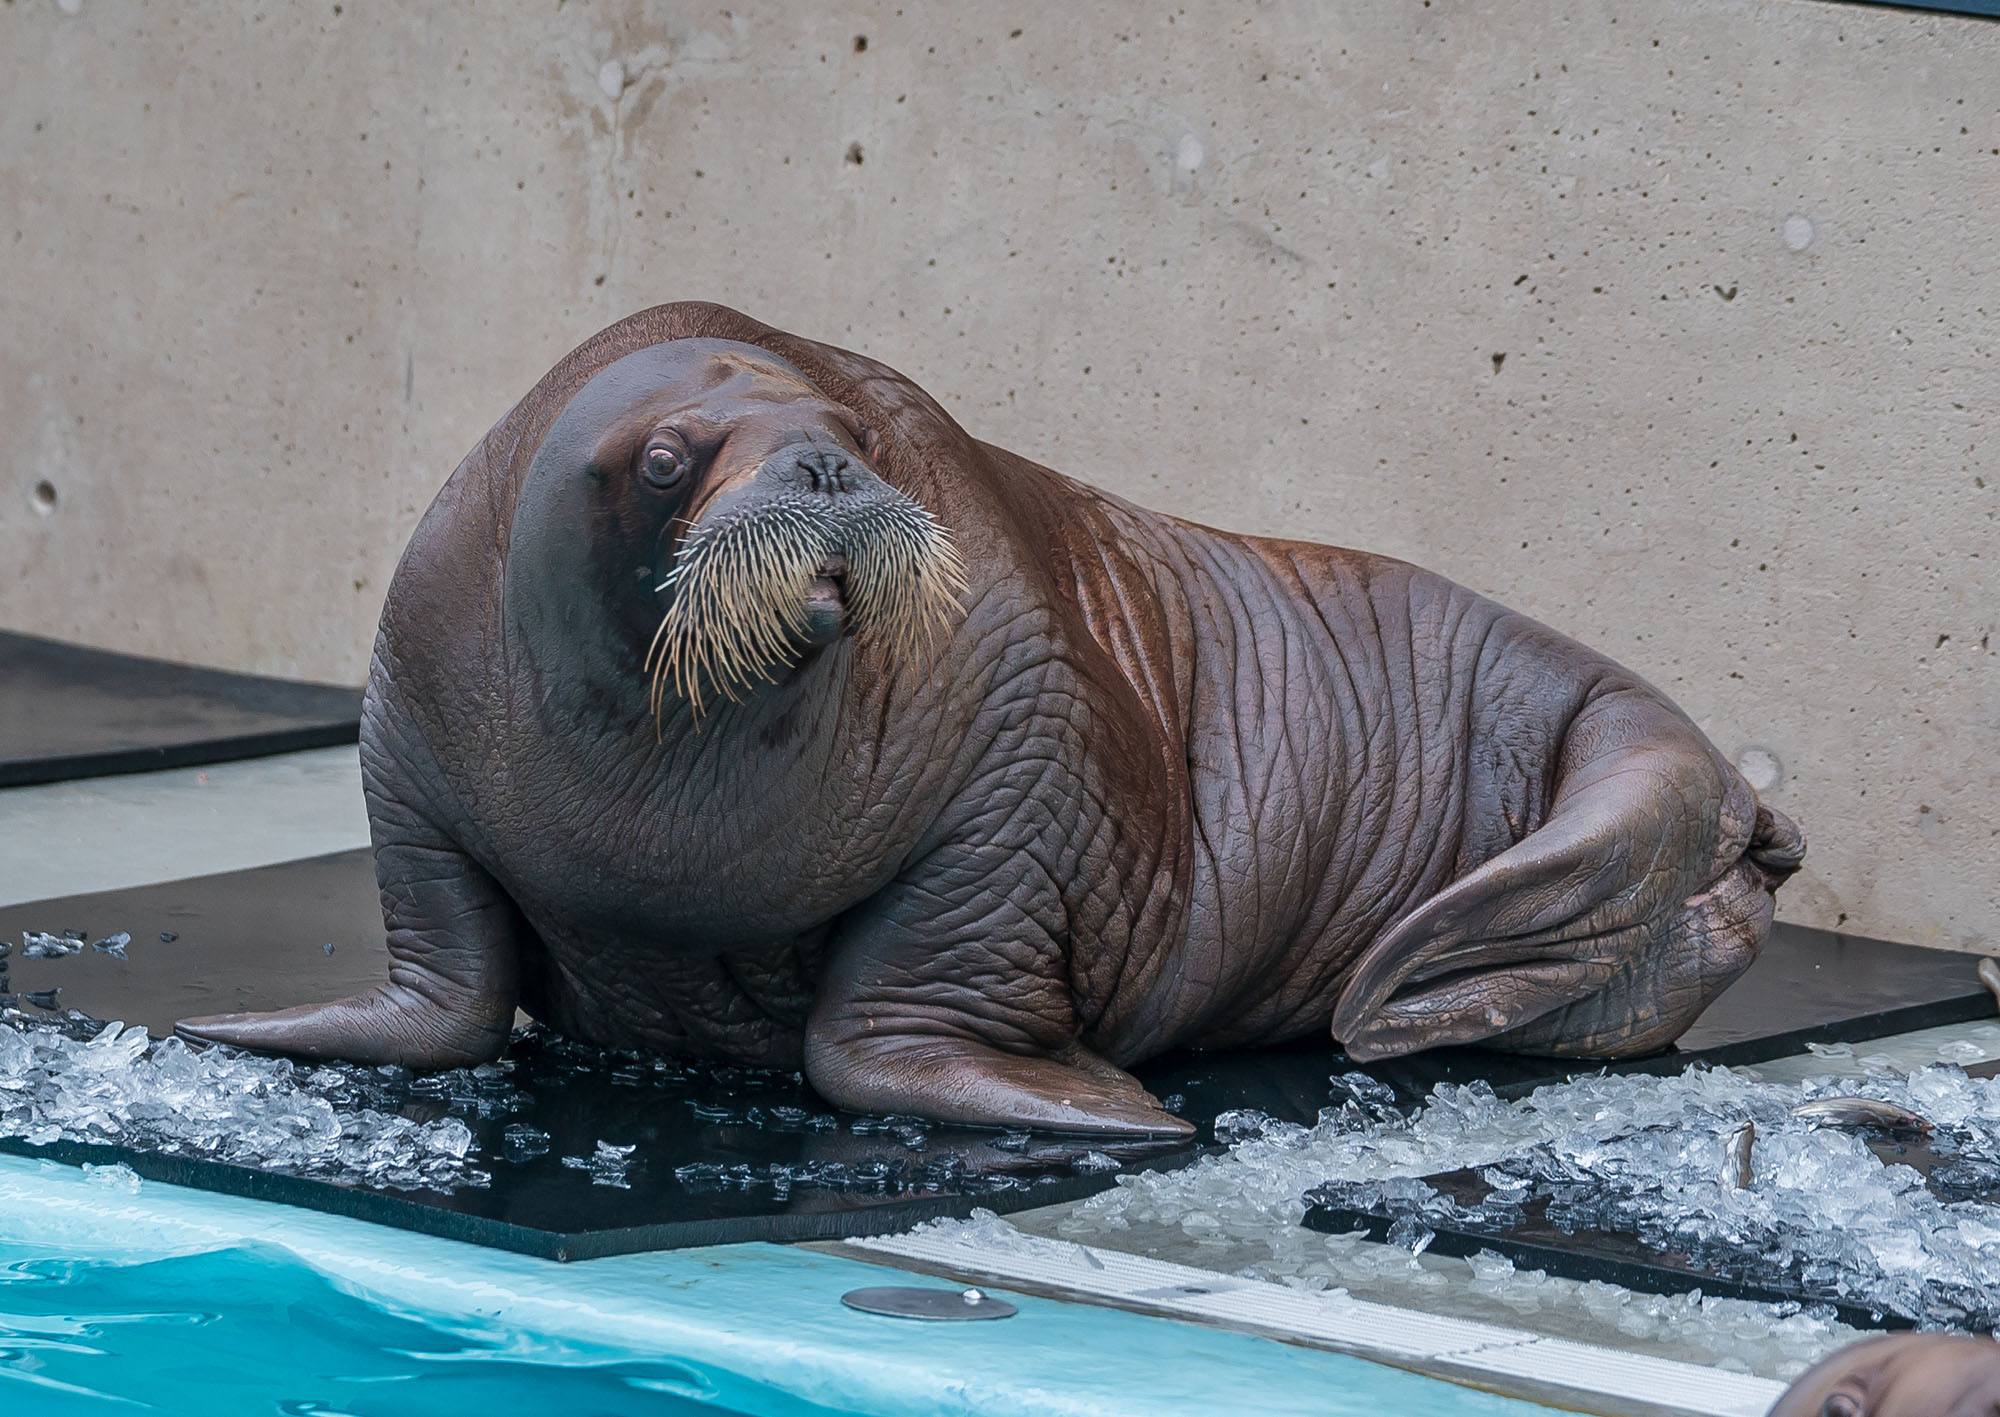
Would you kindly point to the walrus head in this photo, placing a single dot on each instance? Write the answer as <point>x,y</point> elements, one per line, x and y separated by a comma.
<point>1904,1375</point>
<point>749,504</point>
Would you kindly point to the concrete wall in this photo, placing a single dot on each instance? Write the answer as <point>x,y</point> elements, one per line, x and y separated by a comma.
<point>1677,326</point>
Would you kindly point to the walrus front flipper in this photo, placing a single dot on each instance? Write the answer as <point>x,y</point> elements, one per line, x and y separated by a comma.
<point>1603,934</point>
<point>453,973</point>
<point>957,1080</point>
<point>944,999</point>
<point>391,1023</point>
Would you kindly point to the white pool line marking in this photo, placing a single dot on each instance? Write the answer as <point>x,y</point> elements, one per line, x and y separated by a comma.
<point>1512,1361</point>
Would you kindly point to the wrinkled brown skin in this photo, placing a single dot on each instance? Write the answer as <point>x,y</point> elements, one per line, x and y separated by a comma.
<point>1903,1375</point>
<point>1162,787</point>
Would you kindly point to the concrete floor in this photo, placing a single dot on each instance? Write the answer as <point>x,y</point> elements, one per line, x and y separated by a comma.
<point>106,833</point>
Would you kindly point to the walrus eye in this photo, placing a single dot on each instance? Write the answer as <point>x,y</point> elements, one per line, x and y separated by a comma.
<point>665,465</point>
<point>1841,1404</point>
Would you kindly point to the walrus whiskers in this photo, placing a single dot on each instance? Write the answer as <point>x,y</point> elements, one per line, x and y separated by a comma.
<point>740,587</point>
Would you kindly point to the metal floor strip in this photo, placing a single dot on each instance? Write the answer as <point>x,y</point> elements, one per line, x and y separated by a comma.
<point>1516,1362</point>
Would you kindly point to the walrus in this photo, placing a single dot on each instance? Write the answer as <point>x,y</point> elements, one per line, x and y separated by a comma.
<point>730,700</point>
<point>1902,1375</point>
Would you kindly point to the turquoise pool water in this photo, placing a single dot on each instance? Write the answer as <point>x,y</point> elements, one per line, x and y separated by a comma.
<point>253,1331</point>
<point>117,1297</point>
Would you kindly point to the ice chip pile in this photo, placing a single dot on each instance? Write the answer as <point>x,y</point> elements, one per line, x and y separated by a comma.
<point>608,1165</point>
<point>1870,1232</point>
<point>37,944</point>
<point>1824,1215</point>
<point>523,1142</point>
<point>66,1078</point>
<point>113,1177</point>
<point>870,1174</point>
<point>1641,1154</point>
<point>116,1086</point>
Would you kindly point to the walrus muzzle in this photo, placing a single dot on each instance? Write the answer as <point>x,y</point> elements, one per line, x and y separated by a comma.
<point>743,580</point>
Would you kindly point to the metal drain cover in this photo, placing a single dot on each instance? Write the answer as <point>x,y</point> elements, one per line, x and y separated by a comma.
<point>933,1305</point>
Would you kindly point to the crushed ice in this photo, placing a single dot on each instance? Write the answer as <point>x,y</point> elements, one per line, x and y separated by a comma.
<point>522,1142</point>
<point>1823,1214</point>
<point>117,1177</point>
<point>875,1175</point>
<point>117,1087</point>
<point>608,1165</point>
<point>37,944</point>
<point>66,1078</point>
<point>1868,1232</point>
<point>43,944</point>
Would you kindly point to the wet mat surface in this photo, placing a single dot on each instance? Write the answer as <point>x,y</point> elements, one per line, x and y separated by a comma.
<point>723,1154</point>
<point>717,1154</point>
<point>68,712</point>
<point>564,1152</point>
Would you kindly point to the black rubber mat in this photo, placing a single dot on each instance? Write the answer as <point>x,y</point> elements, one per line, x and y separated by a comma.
<point>68,712</point>
<point>722,1153</point>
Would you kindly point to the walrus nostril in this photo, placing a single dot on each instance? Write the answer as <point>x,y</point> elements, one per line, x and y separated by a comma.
<point>825,469</point>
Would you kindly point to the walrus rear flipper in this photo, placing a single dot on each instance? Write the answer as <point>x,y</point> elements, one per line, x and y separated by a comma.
<point>1603,934</point>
